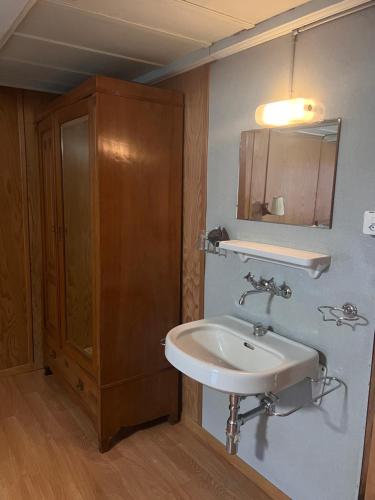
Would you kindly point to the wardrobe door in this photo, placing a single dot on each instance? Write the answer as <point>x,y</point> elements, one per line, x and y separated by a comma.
<point>75,211</point>
<point>16,353</point>
<point>140,186</point>
<point>50,235</point>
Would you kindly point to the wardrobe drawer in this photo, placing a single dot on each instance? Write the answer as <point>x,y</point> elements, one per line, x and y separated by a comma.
<point>82,384</point>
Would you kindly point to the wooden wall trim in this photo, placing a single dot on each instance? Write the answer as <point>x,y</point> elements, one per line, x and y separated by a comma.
<point>195,87</point>
<point>367,484</point>
<point>15,297</point>
<point>26,229</point>
<point>16,370</point>
<point>27,194</point>
<point>32,101</point>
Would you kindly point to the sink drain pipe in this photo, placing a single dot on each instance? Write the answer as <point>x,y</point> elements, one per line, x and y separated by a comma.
<point>267,407</point>
<point>236,420</point>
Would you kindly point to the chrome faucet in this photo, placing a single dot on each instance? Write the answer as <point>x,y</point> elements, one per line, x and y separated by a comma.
<point>265,286</point>
<point>248,292</point>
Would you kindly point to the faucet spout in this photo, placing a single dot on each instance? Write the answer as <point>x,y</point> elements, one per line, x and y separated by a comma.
<point>248,292</point>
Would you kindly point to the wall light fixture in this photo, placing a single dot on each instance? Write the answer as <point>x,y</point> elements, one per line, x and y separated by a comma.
<point>290,111</point>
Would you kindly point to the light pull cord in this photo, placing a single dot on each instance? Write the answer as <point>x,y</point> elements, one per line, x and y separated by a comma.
<point>292,63</point>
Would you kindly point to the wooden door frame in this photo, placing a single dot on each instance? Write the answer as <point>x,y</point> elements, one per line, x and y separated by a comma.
<point>369,443</point>
<point>195,86</point>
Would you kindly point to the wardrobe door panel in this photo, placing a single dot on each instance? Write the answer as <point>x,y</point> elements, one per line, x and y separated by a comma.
<point>140,191</point>
<point>51,315</point>
<point>49,200</point>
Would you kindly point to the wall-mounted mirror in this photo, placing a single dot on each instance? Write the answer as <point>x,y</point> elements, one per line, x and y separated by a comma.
<point>287,175</point>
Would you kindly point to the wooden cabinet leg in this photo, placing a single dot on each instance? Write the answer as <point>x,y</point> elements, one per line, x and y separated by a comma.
<point>47,371</point>
<point>173,418</point>
<point>104,445</point>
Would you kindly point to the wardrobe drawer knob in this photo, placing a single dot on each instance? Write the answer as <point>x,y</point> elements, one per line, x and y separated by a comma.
<point>80,386</point>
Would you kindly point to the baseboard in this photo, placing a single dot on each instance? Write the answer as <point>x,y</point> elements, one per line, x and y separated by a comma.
<point>270,489</point>
<point>16,370</point>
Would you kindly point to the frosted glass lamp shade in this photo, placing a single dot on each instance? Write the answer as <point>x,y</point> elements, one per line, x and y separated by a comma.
<point>289,112</point>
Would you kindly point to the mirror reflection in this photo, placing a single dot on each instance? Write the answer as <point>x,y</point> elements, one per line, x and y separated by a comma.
<point>77,216</point>
<point>287,175</point>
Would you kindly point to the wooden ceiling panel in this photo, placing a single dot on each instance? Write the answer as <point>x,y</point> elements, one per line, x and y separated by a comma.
<point>247,10</point>
<point>11,13</point>
<point>70,26</point>
<point>171,16</point>
<point>72,59</point>
<point>14,75</point>
<point>14,70</point>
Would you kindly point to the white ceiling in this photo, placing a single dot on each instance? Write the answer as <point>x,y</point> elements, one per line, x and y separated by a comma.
<point>54,45</point>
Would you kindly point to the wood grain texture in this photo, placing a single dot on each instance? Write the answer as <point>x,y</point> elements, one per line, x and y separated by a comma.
<point>81,385</point>
<point>51,310</point>
<point>111,86</point>
<point>139,188</point>
<point>293,167</point>
<point>119,201</point>
<point>15,290</point>
<point>367,484</point>
<point>48,452</point>
<point>140,192</point>
<point>162,400</point>
<point>195,87</point>
<point>32,102</point>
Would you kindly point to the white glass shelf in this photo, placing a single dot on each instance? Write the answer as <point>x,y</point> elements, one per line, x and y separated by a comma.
<point>313,263</point>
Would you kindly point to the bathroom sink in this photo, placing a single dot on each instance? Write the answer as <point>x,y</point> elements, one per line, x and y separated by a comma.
<point>223,353</point>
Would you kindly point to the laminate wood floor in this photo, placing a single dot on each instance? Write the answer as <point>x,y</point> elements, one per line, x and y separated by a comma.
<point>48,451</point>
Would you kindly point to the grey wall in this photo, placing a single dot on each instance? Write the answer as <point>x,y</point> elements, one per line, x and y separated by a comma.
<point>315,453</point>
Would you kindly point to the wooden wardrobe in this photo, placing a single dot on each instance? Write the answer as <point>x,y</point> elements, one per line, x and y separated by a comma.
<point>111,164</point>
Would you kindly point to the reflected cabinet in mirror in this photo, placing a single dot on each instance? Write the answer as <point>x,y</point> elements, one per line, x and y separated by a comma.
<point>287,175</point>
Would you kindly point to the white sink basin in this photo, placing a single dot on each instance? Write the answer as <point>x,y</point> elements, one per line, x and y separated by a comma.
<point>223,353</point>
